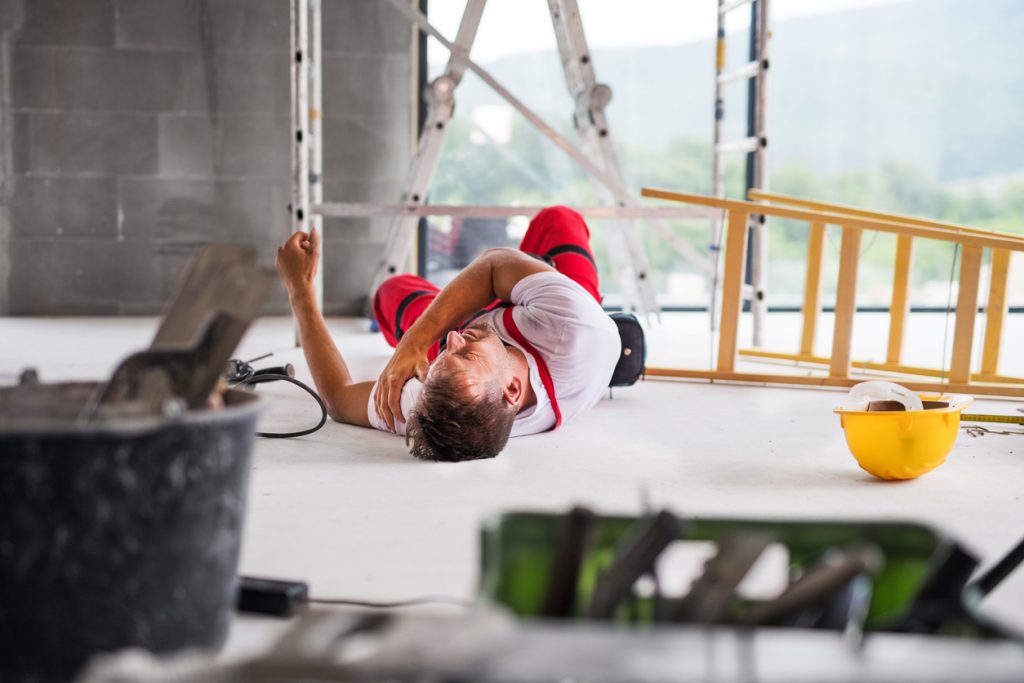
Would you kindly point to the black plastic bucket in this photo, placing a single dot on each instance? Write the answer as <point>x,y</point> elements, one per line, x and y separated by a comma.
<point>116,534</point>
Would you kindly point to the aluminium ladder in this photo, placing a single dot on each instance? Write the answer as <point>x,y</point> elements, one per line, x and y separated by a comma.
<point>599,160</point>
<point>754,146</point>
<point>590,97</point>
<point>440,107</point>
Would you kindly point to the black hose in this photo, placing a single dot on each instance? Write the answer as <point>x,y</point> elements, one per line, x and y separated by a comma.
<point>243,374</point>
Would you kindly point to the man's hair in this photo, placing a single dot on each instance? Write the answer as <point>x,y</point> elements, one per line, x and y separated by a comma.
<point>450,424</point>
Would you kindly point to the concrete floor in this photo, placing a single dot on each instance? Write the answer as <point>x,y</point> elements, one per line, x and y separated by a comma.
<point>348,510</point>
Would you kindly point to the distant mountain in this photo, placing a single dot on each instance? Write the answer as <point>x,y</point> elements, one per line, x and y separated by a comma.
<point>936,84</point>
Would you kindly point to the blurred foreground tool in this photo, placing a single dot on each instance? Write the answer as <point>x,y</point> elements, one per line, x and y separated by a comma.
<point>488,647</point>
<point>635,556</point>
<point>949,595</point>
<point>709,596</point>
<point>560,599</point>
<point>219,294</point>
<point>920,583</point>
<point>817,586</point>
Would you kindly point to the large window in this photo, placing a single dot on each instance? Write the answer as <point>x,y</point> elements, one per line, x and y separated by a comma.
<point>913,107</point>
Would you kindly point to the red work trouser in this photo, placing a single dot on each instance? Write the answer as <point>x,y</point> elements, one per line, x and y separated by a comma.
<point>557,234</point>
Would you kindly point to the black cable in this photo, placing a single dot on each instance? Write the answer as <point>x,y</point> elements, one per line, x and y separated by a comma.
<point>241,374</point>
<point>260,379</point>
<point>283,598</point>
<point>425,600</point>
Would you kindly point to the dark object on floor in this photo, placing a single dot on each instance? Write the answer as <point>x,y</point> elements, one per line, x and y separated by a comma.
<point>273,597</point>
<point>115,533</point>
<point>633,359</point>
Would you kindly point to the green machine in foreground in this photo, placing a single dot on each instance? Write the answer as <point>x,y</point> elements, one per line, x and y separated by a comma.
<point>840,576</point>
<point>665,599</point>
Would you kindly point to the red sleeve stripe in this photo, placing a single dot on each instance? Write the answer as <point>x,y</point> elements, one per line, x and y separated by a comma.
<point>545,376</point>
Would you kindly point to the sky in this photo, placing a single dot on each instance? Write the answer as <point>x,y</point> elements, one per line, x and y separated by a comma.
<point>517,26</point>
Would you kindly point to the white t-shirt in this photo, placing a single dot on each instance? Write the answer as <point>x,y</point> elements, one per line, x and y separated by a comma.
<point>572,333</point>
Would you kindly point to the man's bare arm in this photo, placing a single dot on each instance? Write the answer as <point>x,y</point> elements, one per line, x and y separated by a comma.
<point>492,275</point>
<point>346,400</point>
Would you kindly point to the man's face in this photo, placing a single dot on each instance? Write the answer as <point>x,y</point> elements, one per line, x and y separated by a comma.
<point>477,354</point>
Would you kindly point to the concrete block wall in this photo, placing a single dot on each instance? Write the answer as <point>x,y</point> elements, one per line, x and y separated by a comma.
<point>136,130</point>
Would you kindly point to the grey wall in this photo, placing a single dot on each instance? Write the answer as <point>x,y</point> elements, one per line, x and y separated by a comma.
<point>136,130</point>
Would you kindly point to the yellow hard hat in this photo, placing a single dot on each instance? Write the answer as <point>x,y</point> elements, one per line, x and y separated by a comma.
<point>893,442</point>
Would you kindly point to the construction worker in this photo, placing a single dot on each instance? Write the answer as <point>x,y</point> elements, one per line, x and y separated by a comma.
<point>511,346</point>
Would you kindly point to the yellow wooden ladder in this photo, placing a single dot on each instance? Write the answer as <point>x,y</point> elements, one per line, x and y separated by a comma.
<point>853,222</point>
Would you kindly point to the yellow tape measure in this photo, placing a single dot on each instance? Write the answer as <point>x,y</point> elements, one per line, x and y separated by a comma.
<point>1005,419</point>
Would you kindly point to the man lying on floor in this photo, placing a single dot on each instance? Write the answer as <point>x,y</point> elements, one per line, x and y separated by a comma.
<point>511,346</point>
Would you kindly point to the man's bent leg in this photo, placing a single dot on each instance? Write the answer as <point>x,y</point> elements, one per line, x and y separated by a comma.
<point>399,302</point>
<point>560,235</point>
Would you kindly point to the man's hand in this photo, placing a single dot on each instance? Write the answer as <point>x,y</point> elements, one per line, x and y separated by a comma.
<point>297,261</point>
<point>492,275</point>
<point>346,400</point>
<point>409,360</point>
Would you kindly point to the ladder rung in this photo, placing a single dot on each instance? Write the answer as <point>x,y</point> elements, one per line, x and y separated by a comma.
<point>361,209</point>
<point>748,70</point>
<point>730,6</point>
<point>745,145</point>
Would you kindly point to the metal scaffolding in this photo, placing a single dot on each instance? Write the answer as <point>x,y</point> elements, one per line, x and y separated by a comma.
<point>597,156</point>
